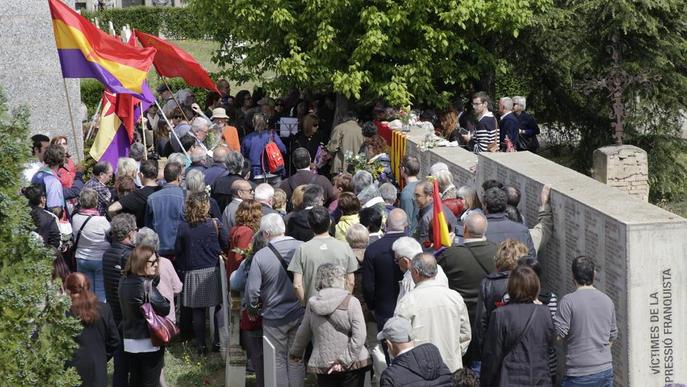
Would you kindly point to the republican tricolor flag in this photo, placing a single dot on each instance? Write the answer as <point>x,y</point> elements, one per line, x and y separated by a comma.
<point>440,235</point>
<point>87,52</point>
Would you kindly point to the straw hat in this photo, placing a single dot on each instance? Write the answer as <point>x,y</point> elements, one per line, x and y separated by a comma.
<point>219,113</point>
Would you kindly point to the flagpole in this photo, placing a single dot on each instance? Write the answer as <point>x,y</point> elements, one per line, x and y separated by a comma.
<point>79,155</point>
<point>171,129</point>
<point>95,116</point>
<point>175,99</point>
<point>143,132</point>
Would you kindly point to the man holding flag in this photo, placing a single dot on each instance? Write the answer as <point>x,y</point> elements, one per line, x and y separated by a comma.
<point>430,215</point>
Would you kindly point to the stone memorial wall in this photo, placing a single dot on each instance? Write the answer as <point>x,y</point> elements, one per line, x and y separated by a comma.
<point>31,74</point>
<point>640,250</point>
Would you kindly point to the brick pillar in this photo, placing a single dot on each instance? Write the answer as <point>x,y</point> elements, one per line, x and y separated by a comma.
<point>625,167</point>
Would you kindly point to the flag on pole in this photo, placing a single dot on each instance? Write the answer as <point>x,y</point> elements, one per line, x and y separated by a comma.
<point>110,143</point>
<point>87,52</point>
<point>440,235</point>
<point>171,61</point>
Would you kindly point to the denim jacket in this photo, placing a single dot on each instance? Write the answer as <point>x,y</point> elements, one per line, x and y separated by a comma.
<point>164,212</point>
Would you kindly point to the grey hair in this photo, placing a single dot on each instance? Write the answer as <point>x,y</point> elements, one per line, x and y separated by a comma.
<point>195,181</point>
<point>264,192</point>
<point>88,198</point>
<point>121,226</point>
<point>329,276</point>
<point>147,237</point>
<point>520,100</point>
<point>219,154</point>
<point>425,265</point>
<point>198,124</point>
<point>357,236</point>
<point>361,180</point>
<point>178,158</point>
<point>469,196</point>
<point>273,224</point>
<point>136,151</point>
<point>444,178</point>
<point>234,163</point>
<point>397,220</point>
<point>436,167</point>
<point>388,192</point>
<point>406,247</point>
<point>507,103</point>
<point>368,193</point>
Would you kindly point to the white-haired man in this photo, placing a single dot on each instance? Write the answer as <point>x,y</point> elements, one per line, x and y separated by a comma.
<point>528,128</point>
<point>508,123</point>
<point>405,249</point>
<point>438,314</point>
<point>264,194</point>
<point>199,129</point>
<point>269,291</point>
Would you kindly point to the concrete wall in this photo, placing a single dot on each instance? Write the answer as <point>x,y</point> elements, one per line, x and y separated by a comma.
<point>639,248</point>
<point>31,74</point>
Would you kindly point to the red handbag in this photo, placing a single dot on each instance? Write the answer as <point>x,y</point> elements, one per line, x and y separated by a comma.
<point>162,330</point>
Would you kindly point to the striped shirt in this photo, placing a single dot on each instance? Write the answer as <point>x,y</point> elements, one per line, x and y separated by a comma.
<point>486,133</point>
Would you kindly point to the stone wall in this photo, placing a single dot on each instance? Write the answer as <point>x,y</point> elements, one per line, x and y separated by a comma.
<point>625,167</point>
<point>640,250</point>
<point>31,74</point>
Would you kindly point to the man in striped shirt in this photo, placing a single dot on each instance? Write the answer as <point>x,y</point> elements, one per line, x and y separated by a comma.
<point>486,132</point>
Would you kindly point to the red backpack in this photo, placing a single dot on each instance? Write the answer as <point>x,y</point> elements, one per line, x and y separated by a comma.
<point>275,160</point>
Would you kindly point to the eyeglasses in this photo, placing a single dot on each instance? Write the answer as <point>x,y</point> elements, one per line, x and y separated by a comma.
<point>247,190</point>
<point>153,262</point>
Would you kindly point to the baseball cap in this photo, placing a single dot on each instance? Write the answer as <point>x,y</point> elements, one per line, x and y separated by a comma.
<point>397,330</point>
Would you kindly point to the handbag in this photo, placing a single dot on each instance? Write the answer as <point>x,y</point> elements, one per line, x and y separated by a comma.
<point>161,328</point>
<point>70,250</point>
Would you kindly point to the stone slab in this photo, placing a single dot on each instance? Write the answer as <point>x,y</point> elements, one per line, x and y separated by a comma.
<point>31,73</point>
<point>640,250</point>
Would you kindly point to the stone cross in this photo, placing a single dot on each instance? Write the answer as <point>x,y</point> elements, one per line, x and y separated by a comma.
<point>616,81</point>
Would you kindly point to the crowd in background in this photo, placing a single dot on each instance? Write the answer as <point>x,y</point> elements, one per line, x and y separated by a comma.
<point>333,261</point>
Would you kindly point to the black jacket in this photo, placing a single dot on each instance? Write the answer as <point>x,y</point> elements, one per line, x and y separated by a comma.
<point>114,260</point>
<point>422,366</point>
<point>492,289</point>
<point>515,357</point>
<point>97,343</point>
<point>221,190</point>
<point>465,266</point>
<point>131,297</point>
<point>380,278</point>
<point>46,226</point>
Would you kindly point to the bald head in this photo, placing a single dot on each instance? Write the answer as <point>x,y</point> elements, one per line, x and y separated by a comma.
<point>424,267</point>
<point>242,189</point>
<point>475,225</point>
<point>219,154</point>
<point>397,220</point>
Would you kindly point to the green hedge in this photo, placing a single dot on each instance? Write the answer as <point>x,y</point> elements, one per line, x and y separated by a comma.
<point>172,23</point>
<point>91,93</point>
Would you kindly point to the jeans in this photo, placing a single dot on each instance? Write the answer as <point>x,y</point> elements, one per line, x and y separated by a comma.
<point>145,368</point>
<point>290,373</point>
<point>601,379</point>
<point>93,270</point>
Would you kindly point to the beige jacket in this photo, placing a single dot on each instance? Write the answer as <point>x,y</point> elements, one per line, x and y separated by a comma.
<point>439,316</point>
<point>347,136</point>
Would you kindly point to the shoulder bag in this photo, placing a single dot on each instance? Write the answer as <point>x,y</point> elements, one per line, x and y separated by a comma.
<point>284,265</point>
<point>70,252</point>
<point>476,260</point>
<point>162,330</point>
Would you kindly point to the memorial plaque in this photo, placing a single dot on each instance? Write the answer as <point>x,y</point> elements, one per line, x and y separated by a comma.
<point>640,251</point>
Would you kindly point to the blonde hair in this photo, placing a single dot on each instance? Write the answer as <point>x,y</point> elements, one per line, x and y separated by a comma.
<point>508,253</point>
<point>297,196</point>
<point>279,199</point>
<point>126,166</point>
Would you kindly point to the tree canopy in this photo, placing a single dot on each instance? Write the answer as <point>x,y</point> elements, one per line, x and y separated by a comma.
<point>419,51</point>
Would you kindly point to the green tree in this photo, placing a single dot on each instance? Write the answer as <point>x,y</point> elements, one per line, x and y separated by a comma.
<point>568,46</point>
<point>411,51</point>
<point>36,336</point>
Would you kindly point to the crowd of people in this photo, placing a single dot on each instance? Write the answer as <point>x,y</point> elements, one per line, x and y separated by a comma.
<point>334,265</point>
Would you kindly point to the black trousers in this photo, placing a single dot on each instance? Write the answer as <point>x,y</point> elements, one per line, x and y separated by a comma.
<point>355,378</point>
<point>145,368</point>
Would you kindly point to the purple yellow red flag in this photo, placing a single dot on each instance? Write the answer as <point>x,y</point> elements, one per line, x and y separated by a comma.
<point>87,52</point>
<point>440,235</point>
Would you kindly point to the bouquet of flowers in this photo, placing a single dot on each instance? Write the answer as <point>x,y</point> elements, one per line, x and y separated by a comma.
<point>358,162</point>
